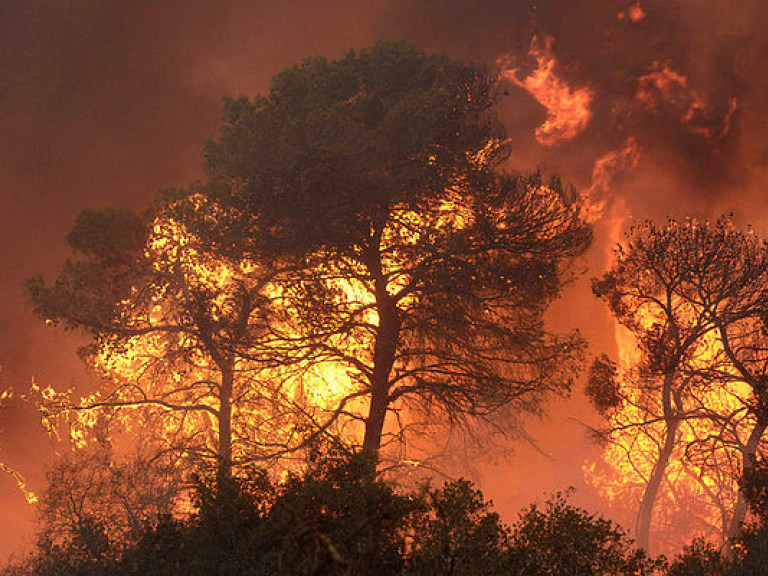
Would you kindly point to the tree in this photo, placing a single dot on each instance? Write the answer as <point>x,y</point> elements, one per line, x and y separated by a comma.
<point>458,533</point>
<point>337,518</point>
<point>178,336</point>
<point>748,552</point>
<point>751,546</point>
<point>692,295</point>
<point>643,292</point>
<point>94,488</point>
<point>355,254</point>
<point>700,558</point>
<point>564,540</point>
<point>424,272</point>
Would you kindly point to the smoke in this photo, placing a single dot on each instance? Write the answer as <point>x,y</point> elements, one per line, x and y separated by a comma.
<point>103,103</point>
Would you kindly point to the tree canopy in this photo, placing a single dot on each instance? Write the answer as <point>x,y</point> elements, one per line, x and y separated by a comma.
<point>380,173</point>
<point>338,519</point>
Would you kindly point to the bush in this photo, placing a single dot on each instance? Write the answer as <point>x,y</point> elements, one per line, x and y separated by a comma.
<point>340,519</point>
<point>700,558</point>
<point>564,540</point>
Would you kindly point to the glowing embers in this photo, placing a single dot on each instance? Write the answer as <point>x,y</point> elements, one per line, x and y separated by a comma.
<point>633,13</point>
<point>568,108</point>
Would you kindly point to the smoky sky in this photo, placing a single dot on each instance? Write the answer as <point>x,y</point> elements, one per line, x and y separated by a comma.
<point>103,103</point>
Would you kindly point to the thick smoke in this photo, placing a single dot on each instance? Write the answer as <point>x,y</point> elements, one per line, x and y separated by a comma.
<point>102,103</point>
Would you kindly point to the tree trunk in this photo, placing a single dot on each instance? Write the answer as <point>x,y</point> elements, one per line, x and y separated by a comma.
<point>749,454</point>
<point>385,348</point>
<point>671,421</point>
<point>225,425</point>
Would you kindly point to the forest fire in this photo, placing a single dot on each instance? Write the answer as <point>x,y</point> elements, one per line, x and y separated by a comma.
<point>381,276</point>
<point>193,318</point>
<point>699,487</point>
<point>699,490</point>
<point>686,419</point>
<point>607,168</point>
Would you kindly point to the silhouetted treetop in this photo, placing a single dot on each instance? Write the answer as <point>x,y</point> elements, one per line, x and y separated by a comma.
<point>336,142</point>
<point>356,237</point>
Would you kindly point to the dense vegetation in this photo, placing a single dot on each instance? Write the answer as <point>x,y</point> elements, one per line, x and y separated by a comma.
<point>337,518</point>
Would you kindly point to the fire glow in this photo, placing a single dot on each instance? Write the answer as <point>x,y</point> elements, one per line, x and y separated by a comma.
<point>656,110</point>
<point>163,368</point>
<point>698,493</point>
<point>568,109</point>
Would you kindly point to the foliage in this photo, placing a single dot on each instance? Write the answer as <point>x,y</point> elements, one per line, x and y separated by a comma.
<point>424,272</point>
<point>94,487</point>
<point>689,412</point>
<point>458,533</point>
<point>602,387</point>
<point>747,553</point>
<point>85,552</point>
<point>88,291</point>
<point>700,558</point>
<point>355,254</point>
<point>179,338</point>
<point>337,519</point>
<point>750,549</point>
<point>335,141</point>
<point>751,553</point>
<point>564,540</point>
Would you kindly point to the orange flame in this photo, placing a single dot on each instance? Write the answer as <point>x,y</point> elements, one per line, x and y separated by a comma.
<point>604,172</point>
<point>696,497</point>
<point>698,494</point>
<point>633,13</point>
<point>665,86</point>
<point>273,405</point>
<point>568,109</point>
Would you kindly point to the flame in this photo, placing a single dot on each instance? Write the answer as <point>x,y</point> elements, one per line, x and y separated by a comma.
<point>172,367</point>
<point>274,403</point>
<point>694,494</point>
<point>634,13</point>
<point>700,486</point>
<point>604,172</point>
<point>663,86</point>
<point>597,197</point>
<point>21,483</point>
<point>568,109</point>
